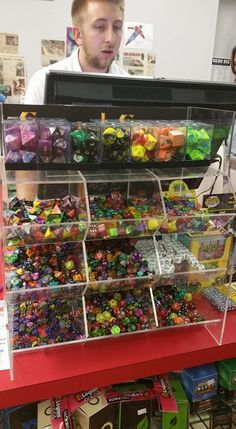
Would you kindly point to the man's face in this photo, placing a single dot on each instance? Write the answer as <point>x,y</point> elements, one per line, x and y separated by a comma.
<point>100,35</point>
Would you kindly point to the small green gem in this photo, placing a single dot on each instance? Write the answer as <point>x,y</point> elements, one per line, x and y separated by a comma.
<point>113,232</point>
<point>115,330</point>
<point>79,135</point>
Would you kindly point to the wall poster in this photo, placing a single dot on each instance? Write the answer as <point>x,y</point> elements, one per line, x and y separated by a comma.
<point>9,43</point>
<point>139,63</point>
<point>138,36</point>
<point>71,45</point>
<point>12,76</point>
<point>52,51</point>
<point>221,70</point>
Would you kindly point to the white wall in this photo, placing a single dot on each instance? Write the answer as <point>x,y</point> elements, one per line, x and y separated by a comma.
<point>225,37</point>
<point>184,34</point>
<point>34,20</point>
<point>184,31</point>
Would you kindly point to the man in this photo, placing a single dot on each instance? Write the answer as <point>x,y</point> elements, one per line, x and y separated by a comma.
<point>97,30</point>
<point>233,62</point>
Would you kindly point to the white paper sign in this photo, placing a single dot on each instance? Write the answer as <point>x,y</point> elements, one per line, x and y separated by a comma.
<point>4,352</point>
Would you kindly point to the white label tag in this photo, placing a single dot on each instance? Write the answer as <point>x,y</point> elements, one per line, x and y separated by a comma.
<point>4,353</point>
<point>142,411</point>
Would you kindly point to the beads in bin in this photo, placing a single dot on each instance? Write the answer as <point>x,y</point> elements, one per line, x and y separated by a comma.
<point>122,259</point>
<point>117,214</point>
<point>119,312</point>
<point>20,141</point>
<point>174,256</point>
<point>85,142</point>
<point>156,141</point>
<point>54,141</point>
<point>36,266</point>
<point>52,317</point>
<point>175,305</point>
<point>218,299</point>
<point>115,139</point>
<point>171,141</point>
<point>60,210</point>
<point>143,142</point>
<point>63,219</point>
<point>198,140</point>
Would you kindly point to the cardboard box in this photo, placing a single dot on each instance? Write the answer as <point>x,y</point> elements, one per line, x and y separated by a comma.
<point>164,395</point>
<point>134,402</point>
<point>227,373</point>
<point>200,382</point>
<point>21,417</point>
<point>135,414</point>
<point>44,415</point>
<point>180,419</point>
<point>60,413</point>
<point>228,395</point>
<point>223,383</point>
<point>95,414</point>
<point>76,400</point>
<point>203,406</point>
<point>210,248</point>
<point>131,391</point>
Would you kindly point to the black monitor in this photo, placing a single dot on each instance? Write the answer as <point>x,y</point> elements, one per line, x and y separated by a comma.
<point>64,87</point>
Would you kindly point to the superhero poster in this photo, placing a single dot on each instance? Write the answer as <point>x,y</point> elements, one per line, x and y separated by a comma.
<point>138,35</point>
<point>70,42</point>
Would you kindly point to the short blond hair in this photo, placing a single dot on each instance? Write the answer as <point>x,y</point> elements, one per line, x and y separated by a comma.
<point>79,5</point>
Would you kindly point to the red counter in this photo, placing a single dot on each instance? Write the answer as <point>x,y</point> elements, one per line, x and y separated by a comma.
<point>40,374</point>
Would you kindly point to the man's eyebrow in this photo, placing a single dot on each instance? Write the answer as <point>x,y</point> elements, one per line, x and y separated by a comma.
<point>105,20</point>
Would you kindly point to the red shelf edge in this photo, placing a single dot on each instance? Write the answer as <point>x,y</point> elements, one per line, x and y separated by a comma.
<point>41,374</point>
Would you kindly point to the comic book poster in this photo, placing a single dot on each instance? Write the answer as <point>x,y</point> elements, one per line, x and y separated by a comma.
<point>139,63</point>
<point>52,51</point>
<point>12,77</point>
<point>9,43</point>
<point>71,45</point>
<point>138,36</point>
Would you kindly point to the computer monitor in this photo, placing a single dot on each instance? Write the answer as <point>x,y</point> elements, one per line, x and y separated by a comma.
<point>64,87</point>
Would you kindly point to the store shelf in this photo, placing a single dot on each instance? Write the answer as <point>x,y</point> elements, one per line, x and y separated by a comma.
<point>40,374</point>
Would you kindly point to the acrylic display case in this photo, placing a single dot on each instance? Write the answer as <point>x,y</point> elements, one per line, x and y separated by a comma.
<point>194,139</point>
<point>96,255</point>
<point>103,253</point>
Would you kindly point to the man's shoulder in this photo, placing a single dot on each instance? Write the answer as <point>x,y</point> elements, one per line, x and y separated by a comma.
<point>59,65</point>
<point>117,70</point>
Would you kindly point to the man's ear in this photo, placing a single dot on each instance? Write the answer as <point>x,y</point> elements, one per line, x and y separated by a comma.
<point>77,35</point>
